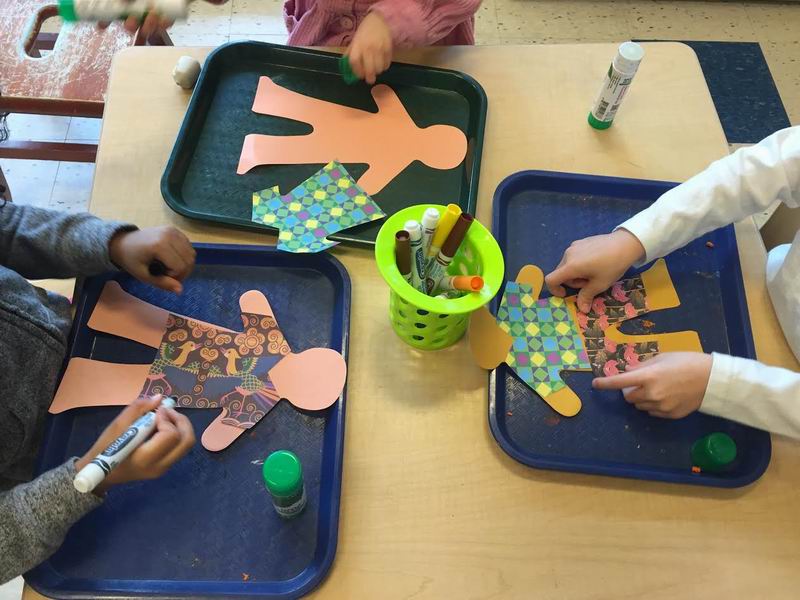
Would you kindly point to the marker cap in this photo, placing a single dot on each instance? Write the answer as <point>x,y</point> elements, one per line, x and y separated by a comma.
<point>453,241</point>
<point>430,218</point>
<point>89,478</point>
<point>283,473</point>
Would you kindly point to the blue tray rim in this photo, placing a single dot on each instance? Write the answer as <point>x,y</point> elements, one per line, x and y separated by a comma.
<point>181,209</point>
<point>46,580</point>
<point>611,468</point>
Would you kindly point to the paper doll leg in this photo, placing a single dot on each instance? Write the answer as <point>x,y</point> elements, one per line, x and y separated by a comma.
<point>119,313</point>
<point>96,383</point>
<point>564,401</point>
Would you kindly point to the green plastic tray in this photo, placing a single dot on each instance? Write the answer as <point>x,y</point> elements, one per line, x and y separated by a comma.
<point>200,179</point>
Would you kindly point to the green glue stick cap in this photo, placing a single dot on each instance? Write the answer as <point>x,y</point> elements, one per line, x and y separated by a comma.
<point>714,452</point>
<point>283,474</point>
<point>347,71</point>
<point>597,123</point>
<point>66,10</point>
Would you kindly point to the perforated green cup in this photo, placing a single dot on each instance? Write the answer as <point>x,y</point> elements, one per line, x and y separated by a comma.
<point>429,323</point>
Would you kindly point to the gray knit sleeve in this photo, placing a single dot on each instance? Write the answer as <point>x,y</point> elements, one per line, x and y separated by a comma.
<point>35,517</point>
<point>39,243</point>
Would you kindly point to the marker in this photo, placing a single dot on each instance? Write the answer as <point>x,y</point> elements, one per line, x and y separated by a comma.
<point>446,223</point>
<point>429,222</point>
<point>402,253</point>
<point>156,268</point>
<point>90,476</point>
<point>438,269</point>
<point>414,230</point>
<point>465,283</point>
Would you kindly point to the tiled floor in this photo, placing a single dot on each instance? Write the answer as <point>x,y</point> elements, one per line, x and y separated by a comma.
<point>774,25</point>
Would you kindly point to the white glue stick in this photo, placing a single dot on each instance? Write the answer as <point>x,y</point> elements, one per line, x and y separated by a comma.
<point>429,222</point>
<point>616,84</point>
<point>90,476</point>
<point>113,10</point>
<point>414,230</point>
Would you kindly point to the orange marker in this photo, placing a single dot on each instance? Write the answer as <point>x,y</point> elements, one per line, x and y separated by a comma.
<point>464,283</point>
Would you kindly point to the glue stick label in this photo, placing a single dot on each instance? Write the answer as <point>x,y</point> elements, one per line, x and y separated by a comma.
<point>615,86</point>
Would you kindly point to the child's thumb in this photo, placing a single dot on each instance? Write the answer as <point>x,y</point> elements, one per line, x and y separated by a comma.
<point>586,295</point>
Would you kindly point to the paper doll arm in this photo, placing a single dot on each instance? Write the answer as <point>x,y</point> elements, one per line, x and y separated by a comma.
<point>660,294</point>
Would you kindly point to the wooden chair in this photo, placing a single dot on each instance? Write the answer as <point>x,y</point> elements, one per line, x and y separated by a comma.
<point>69,80</point>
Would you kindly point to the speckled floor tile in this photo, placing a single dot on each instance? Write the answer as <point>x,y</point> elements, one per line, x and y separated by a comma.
<point>73,187</point>
<point>702,21</point>
<point>783,59</point>
<point>257,17</point>
<point>30,181</point>
<point>486,30</point>
<point>205,18</point>
<point>772,21</point>
<point>546,20</point>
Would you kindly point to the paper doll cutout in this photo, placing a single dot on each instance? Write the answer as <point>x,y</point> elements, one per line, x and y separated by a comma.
<point>326,203</point>
<point>541,337</point>
<point>245,373</point>
<point>387,140</point>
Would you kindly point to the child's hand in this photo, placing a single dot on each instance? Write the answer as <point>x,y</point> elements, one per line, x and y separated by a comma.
<point>133,251</point>
<point>669,385</point>
<point>172,439</point>
<point>370,52</point>
<point>593,264</point>
<point>153,22</point>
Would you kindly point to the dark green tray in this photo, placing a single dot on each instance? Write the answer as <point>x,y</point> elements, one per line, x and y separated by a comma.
<point>200,179</point>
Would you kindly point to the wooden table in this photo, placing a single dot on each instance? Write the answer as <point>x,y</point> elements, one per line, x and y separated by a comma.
<point>431,507</point>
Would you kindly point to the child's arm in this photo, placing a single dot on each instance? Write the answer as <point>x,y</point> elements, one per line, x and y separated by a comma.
<point>423,22</point>
<point>737,186</point>
<point>730,189</point>
<point>35,516</point>
<point>38,243</point>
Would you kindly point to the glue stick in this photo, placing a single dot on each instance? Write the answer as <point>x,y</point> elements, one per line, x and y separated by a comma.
<point>283,477</point>
<point>113,10</point>
<point>615,86</point>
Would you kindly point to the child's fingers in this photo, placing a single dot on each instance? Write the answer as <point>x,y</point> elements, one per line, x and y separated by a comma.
<point>369,68</point>
<point>166,283</point>
<point>150,24</point>
<point>131,24</point>
<point>586,295</point>
<point>356,61</point>
<point>186,440</point>
<point>557,277</point>
<point>617,382</point>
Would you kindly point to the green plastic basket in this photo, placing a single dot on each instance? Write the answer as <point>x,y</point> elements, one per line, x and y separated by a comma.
<point>429,323</point>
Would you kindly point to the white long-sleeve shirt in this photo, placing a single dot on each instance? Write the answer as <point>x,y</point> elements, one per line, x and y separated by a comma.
<point>737,186</point>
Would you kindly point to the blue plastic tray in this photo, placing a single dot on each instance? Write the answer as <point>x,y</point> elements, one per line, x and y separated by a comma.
<point>537,215</point>
<point>207,529</point>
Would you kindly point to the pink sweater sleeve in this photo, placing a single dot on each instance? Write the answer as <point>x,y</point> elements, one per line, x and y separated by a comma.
<point>423,22</point>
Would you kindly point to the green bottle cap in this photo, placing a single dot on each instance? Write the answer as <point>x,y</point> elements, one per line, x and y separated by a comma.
<point>597,124</point>
<point>347,71</point>
<point>283,474</point>
<point>66,10</point>
<point>714,452</point>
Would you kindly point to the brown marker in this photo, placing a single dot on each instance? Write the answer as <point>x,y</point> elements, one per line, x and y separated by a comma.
<point>438,269</point>
<point>402,253</point>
